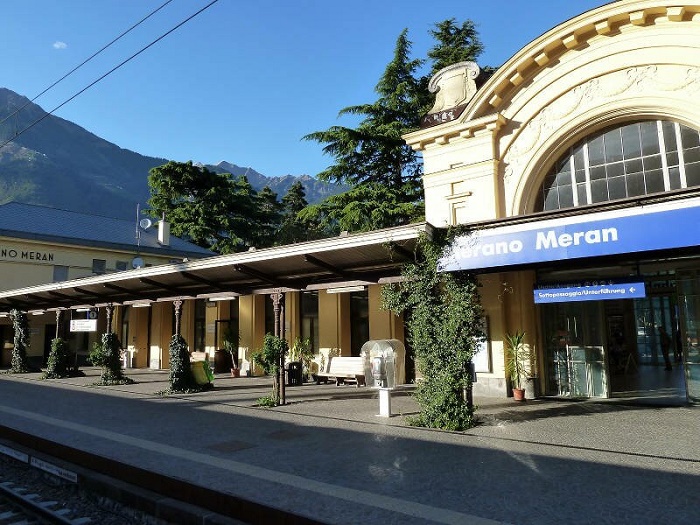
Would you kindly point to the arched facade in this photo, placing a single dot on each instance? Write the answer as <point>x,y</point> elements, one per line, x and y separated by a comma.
<point>627,61</point>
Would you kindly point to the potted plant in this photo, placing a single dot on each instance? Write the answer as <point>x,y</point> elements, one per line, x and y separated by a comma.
<point>231,339</point>
<point>517,357</point>
<point>302,351</point>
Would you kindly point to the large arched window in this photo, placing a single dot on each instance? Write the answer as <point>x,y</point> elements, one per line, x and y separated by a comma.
<point>636,159</point>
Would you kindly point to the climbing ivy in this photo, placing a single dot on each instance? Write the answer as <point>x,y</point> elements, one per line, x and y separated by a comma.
<point>181,377</point>
<point>20,363</point>
<point>57,365</point>
<point>107,354</point>
<point>444,323</point>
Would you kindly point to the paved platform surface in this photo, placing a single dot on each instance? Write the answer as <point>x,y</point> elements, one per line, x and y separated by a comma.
<point>328,455</point>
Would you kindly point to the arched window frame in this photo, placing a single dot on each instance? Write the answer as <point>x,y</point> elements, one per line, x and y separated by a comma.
<point>600,168</point>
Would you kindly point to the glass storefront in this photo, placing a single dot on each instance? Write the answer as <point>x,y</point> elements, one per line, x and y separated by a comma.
<point>644,348</point>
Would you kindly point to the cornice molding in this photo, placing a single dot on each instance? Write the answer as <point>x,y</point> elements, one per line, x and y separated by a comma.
<point>608,20</point>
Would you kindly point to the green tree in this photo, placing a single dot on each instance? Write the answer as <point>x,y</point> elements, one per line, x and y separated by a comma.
<point>194,200</point>
<point>373,158</point>
<point>180,378</point>
<point>364,207</point>
<point>215,211</point>
<point>374,154</point>
<point>242,216</point>
<point>268,216</point>
<point>293,227</point>
<point>269,357</point>
<point>57,365</point>
<point>107,354</point>
<point>454,43</point>
<point>444,323</point>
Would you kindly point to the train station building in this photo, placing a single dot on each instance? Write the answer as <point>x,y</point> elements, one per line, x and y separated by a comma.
<point>576,166</point>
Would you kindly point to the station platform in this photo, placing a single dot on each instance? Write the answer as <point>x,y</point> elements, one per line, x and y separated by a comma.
<point>328,457</point>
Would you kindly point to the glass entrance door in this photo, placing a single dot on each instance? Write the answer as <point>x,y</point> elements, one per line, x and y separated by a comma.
<point>689,303</point>
<point>575,349</point>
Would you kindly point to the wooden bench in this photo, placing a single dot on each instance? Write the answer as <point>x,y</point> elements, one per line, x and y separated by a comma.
<point>343,369</point>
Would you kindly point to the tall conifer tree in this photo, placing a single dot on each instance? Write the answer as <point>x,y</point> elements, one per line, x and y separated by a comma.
<point>384,173</point>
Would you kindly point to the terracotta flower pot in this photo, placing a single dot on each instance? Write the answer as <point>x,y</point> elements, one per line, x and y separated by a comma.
<point>235,372</point>
<point>519,394</point>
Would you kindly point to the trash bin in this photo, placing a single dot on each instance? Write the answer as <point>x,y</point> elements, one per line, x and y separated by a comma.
<point>294,377</point>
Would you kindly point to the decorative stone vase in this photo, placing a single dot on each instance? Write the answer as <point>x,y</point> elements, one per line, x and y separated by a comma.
<point>532,388</point>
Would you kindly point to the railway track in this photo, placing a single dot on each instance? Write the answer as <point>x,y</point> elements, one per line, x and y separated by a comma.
<point>20,506</point>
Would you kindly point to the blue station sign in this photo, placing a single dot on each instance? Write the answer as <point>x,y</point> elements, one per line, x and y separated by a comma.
<point>659,226</point>
<point>594,292</point>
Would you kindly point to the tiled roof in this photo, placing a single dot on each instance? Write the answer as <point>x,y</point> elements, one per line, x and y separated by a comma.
<point>28,221</point>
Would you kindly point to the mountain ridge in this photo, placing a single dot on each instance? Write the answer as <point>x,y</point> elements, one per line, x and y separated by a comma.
<point>60,164</point>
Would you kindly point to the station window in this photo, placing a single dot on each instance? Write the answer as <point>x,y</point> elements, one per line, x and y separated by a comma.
<point>99,266</point>
<point>359,321</point>
<point>120,266</point>
<point>636,159</point>
<point>200,324</point>
<point>60,273</point>
<point>309,318</point>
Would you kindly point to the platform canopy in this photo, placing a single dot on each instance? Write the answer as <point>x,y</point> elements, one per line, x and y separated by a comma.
<point>338,263</point>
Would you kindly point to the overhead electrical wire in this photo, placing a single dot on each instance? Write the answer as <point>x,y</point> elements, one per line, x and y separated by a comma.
<point>161,37</point>
<point>149,15</point>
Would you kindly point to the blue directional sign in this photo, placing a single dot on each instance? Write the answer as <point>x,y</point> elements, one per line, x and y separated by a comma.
<point>597,292</point>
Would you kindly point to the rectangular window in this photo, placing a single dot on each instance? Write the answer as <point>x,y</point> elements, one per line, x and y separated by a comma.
<point>652,163</point>
<point>599,190</point>
<point>692,174</point>
<point>669,135</point>
<point>99,266</point>
<point>674,177</point>
<point>689,137</point>
<point>596,154</point>
<point>60,273</point>
<point>650,138</point>
<point>615,170</point>
<point>359,321</point>
<point>635,184</point>
<point>691,155</point>
<point>120,266</point>
<point>613,146</point>
<point>125,326</point>
<point>551,199</point>
<point>616,188</point>
<point>200,324</point>
<point>655,181</point>
<point>309,318</point>
<point>566,196</point>
<point>630,141</point>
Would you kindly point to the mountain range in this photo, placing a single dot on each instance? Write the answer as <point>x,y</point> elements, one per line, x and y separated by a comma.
<point>59,164</point>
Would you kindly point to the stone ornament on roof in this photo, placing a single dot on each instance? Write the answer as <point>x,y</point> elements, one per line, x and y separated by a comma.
<point>454,87</point>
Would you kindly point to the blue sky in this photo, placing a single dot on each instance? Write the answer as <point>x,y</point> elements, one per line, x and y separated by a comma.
<point>243,81</point>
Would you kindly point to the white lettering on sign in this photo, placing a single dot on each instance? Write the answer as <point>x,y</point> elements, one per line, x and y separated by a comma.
<point>493,248</point>
<point>547,240</point>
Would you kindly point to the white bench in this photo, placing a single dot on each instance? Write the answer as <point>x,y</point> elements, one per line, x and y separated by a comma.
<point>342,369</point>
<point>197,356</point>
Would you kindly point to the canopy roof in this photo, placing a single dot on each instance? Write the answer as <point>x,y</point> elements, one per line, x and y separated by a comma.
<point>347,260</point>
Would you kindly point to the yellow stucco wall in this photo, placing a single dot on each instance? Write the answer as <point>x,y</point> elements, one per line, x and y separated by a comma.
<point>383,324</point>
<point>624,61</point>
<point>28,262</point>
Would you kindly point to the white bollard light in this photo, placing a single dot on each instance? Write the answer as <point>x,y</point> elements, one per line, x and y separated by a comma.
<point>385,402</point>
